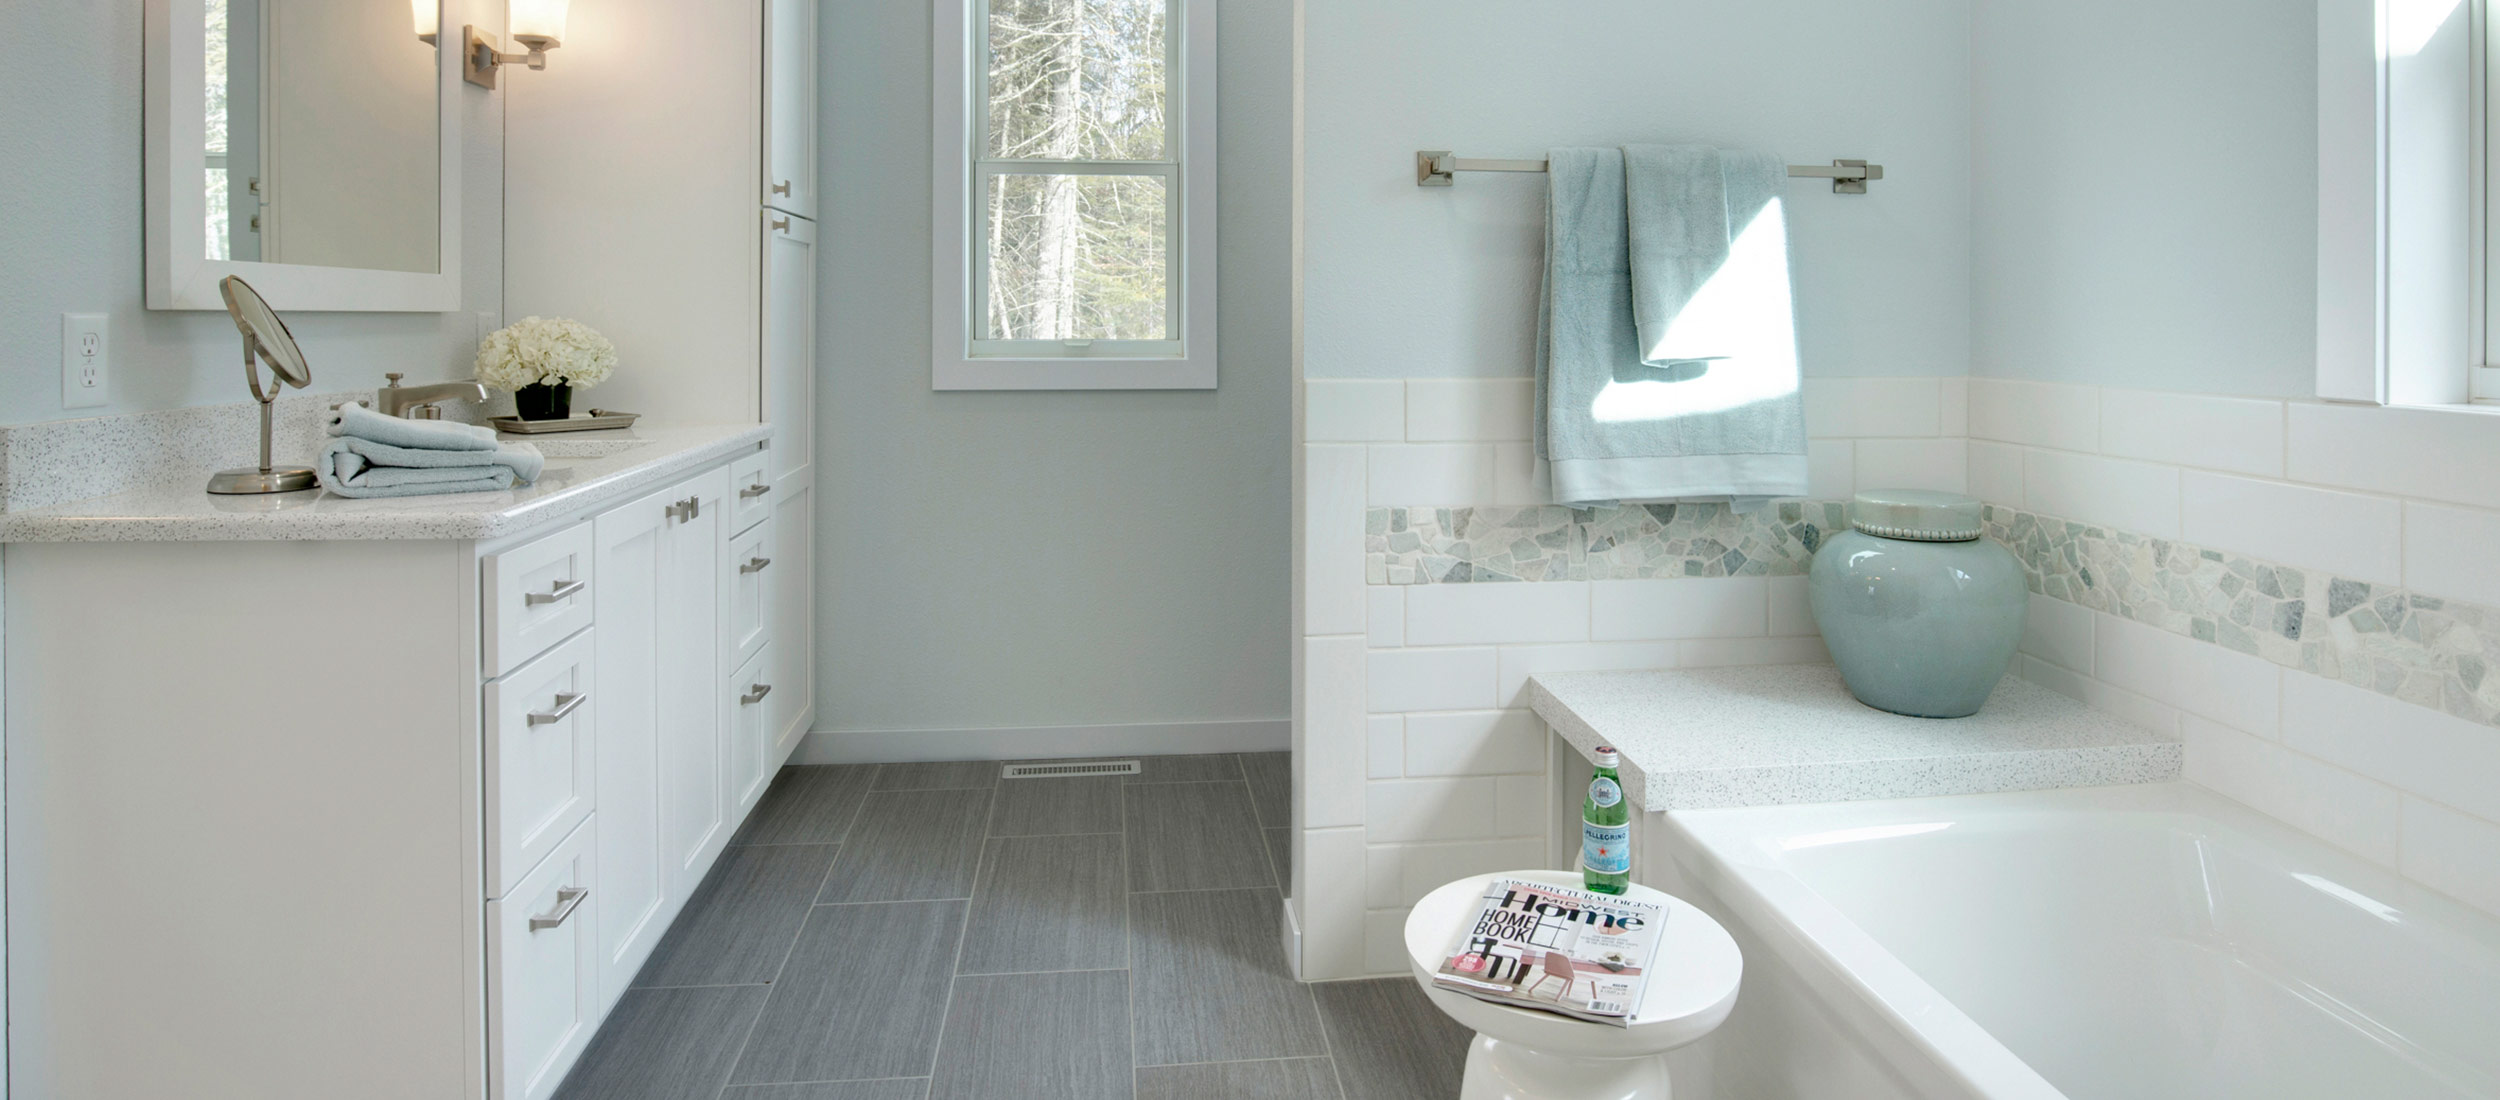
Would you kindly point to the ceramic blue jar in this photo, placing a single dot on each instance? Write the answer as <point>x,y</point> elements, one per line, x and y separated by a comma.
<point>1920,613</point>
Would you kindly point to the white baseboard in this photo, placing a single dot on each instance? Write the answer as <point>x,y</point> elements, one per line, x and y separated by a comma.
<point>1042,742</point>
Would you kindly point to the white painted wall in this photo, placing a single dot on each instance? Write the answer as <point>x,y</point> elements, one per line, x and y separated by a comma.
<point>1409,282</point>
<point>71,240</point>
<point>1027,560</point>
<point>2144,194</point>
<point>632,202</point>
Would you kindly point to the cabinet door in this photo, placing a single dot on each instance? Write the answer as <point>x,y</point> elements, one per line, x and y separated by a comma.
<point>790,340</point>
<point>541,944</point>
<point>694,785</point>
<point>753,572</point>
<point>750,693</point>
<point>790,106</point>
<point>792,610</point>
<point>629,551</point>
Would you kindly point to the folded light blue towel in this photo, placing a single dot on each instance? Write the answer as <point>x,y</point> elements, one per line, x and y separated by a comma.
<point>1666,345</point>
<point>354,467</point>
<point>372,455</point>
<point>432,435</point>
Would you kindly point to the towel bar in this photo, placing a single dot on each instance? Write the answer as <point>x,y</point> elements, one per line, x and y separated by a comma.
<point>1440,168</point>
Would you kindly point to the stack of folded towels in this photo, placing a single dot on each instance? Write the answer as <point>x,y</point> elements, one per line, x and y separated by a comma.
<point>372,455</point>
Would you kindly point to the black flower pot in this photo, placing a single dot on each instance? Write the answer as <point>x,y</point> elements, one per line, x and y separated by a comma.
<point>540,401</point>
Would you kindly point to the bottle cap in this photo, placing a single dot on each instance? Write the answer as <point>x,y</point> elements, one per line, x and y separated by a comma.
<point>1605,756</point>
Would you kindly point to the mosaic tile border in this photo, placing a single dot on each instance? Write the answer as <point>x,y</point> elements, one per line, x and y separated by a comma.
<point>2423,649</point>
<point>1615,542</point>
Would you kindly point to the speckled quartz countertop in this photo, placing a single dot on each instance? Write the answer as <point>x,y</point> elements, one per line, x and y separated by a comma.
<point>583,470</point>
<point>1695,739</point>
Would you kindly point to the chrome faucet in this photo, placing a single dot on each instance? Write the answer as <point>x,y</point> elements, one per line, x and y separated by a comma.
<point>421,402</point>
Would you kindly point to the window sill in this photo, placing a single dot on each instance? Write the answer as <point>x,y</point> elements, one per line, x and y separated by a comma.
<point>1190,373</point>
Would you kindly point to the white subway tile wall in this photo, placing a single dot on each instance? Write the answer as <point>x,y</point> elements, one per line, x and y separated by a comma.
<point>2348,534</point>
<point>2240,434</point>
<point>1443,769</point>
<point>1350,411</point>
<point>2399,498</point>
<point>1437,772</point>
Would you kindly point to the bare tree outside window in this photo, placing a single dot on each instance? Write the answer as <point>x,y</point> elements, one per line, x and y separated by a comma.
<point>1076,171</point>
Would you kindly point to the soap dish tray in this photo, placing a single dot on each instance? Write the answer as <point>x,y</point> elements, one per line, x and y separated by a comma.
<point>598,420</point>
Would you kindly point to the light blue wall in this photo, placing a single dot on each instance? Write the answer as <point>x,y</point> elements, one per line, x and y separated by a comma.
<point>71,220</point>
<point>1409,282</point>
<point>1034,559</point>
<point>2145,198</point>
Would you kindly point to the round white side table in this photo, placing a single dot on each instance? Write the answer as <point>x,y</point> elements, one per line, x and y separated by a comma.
<point>1523,1054</point>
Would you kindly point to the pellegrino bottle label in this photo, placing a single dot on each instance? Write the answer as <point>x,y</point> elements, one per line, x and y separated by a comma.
<point>1606,849</point>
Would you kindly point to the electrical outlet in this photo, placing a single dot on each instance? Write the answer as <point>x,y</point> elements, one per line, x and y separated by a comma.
<point>86,360</point>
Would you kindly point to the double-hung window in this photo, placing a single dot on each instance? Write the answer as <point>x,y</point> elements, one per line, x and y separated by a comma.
<point>1075,195</point>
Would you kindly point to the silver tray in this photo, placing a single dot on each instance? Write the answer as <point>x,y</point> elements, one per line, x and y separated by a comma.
<point>598,420</point>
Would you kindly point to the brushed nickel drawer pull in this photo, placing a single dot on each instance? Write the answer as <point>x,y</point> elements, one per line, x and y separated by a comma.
<point>782,188</point>
<point>566,703</point>
<point>782,224</point>
<point>755,565</point>
<point>568,898</point>
<point>756,696</point>
<point>562,591</point>
<point>756,490</point>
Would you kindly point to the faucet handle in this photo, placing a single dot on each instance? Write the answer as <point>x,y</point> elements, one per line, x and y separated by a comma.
<point>394,376</point>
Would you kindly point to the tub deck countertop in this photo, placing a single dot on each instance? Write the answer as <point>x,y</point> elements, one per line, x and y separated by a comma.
<point>1771,735</point>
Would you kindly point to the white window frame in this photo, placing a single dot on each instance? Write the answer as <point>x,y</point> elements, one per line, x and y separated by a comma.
<point>958,362</point>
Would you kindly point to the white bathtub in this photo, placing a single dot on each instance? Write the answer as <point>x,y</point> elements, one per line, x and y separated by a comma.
<point>2142,943</point>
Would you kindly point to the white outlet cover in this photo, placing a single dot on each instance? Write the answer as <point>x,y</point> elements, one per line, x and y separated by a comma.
<point>86,360</point>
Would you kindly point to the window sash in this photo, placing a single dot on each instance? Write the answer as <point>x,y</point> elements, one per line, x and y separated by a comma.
<point>1169,168</point>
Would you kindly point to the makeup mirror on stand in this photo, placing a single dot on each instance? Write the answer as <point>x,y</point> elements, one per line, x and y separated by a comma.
<point>265,340</point>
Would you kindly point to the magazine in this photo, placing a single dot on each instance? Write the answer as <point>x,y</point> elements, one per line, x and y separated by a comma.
<point>1575,952</point>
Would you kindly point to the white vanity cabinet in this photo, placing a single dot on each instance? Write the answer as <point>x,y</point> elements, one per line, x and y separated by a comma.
<point>424,805</point>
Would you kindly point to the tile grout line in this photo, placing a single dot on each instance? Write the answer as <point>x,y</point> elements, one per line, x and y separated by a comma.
<point>1128,940</point>
<point>963,933</point>
<point>772,987</point>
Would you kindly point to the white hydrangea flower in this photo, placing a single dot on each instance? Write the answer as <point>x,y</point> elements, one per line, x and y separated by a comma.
<point>545,349</point>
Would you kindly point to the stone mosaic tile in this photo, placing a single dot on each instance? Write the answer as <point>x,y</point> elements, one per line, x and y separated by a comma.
<point>1616,542</point>
<point>2417,647</point>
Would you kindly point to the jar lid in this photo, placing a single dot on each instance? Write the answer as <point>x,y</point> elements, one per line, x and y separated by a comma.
<point>1919,515</point>
<point>1604,756</point>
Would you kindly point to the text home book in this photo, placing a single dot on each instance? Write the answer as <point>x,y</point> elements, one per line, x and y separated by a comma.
<point>1570,951</point>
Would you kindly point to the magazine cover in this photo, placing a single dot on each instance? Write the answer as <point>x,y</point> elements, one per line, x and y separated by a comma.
<point>1562,950</point>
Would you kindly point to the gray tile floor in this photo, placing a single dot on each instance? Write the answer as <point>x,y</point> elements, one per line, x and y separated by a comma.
<point>930,932</point>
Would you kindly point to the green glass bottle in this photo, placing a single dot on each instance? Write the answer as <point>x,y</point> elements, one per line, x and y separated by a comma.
<point>1606,829</point>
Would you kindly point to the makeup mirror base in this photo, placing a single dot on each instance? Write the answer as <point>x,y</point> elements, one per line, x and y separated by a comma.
<point>252,479</point>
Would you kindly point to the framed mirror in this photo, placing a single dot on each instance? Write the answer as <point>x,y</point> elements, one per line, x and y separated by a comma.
<point>309,146</point>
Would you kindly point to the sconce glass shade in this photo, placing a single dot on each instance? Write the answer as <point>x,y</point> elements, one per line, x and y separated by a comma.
<point>428,17</point>
<point>538,24</point>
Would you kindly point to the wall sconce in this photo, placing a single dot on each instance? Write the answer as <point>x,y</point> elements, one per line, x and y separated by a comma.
<point>536,24</point>
<point>428,16</point>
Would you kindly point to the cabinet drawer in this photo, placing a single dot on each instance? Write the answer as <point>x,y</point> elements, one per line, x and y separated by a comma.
<point>751,486</point>
<point>542,973</point>
<point>751,575</point>
<point>750,731</point>
<point>539,758</point>
<point>536,594</point>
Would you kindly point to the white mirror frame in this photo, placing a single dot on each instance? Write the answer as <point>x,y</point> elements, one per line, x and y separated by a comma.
<point>179,274</point>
